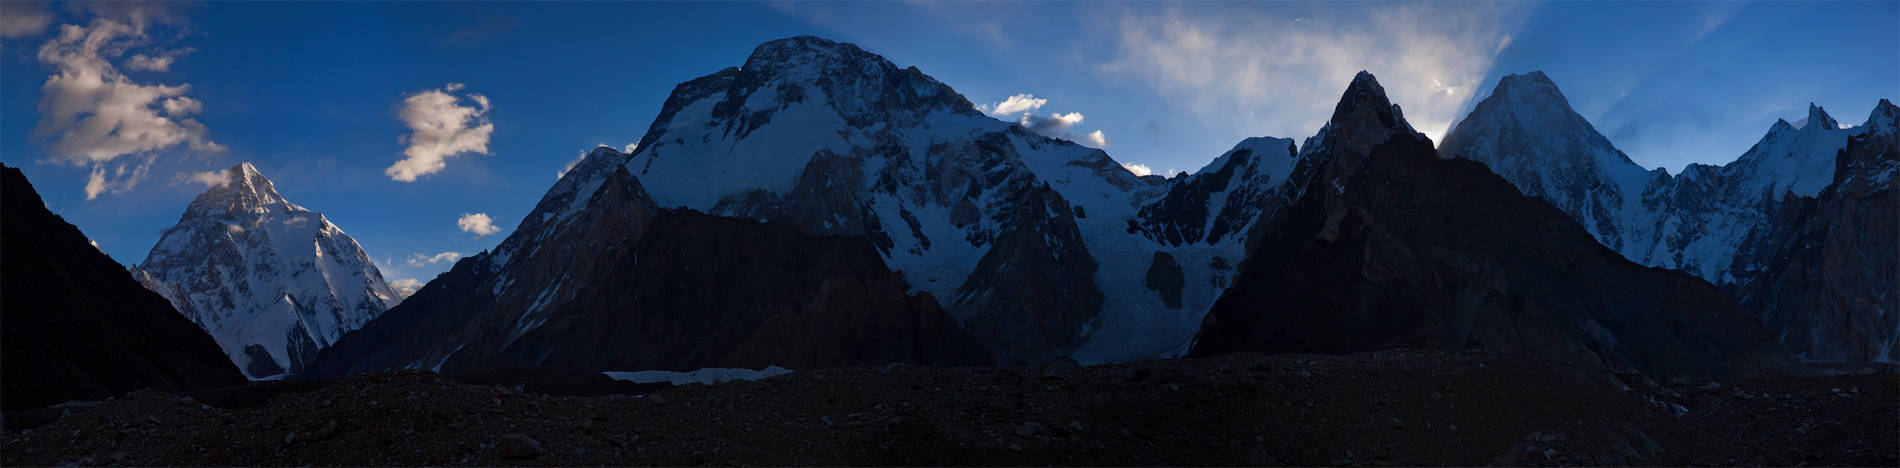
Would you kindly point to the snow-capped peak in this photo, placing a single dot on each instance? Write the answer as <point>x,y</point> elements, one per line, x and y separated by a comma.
<point>271,281</point>
<point>1817,115</point>
<point>1881,120</point>
<point>245,190</point>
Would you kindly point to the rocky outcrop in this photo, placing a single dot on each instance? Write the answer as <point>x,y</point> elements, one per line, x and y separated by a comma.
<point>271,281</point>
<point>1033,293</point>
<point>600,278</point>
<point>1164,277</point>
<point>1384,244</point>
<point>1823,272</point>
<point>77,326</point>
<point>1219,202</point>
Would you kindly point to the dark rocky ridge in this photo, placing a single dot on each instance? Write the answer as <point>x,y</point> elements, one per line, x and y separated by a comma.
<point>1824,270</point>
<point>612,282</point>
<point>1384,244</point>
<point>76,325</point>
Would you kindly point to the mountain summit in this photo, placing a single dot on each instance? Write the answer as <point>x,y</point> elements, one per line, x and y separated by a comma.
<point>271,281</point>
<point>1729,224</point>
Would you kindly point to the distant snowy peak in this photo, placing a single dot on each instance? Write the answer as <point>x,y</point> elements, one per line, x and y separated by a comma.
<point>1220,201</point>
<point>1791,158</point>
<point>1881,120</point>
<point>1526,131</point>
<point>1816,114</point>
<point>271,281</point>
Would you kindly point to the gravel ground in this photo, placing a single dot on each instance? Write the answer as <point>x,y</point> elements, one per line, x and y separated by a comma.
<point>1384,408</point>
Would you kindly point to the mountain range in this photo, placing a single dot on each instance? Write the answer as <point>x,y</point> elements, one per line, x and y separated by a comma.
<point>819,206</point>
<point>1734,225</point>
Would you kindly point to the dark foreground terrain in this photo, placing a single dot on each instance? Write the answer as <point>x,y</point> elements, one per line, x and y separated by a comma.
<point>1384,408</point>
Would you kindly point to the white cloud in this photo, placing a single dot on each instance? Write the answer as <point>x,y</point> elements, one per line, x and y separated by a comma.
<point>1054,124</point>
<point>405,287</point>
<point>182,106</point>
<point>91,114</point>
<point>440,127</point>
<point>478,223</point>
<point>1221,64</point>
<point>1013,105</point>
<point>157,63</point>
<point>210,179</point>
<point>570,165</point>
<point>23,19</point>
<point>1138,169</point>
<point>420,260</point>
<point>630,147</point>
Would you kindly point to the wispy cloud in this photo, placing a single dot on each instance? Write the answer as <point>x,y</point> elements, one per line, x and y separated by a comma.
<point>92,114</point>
<point>422,259</point>
<point>1286,72</point>
<point>23,19</point>
<point>440,127</point>
<point>157,62</point>
<point>472,36</point>
<point>209,179</point>
<point>405,287</point>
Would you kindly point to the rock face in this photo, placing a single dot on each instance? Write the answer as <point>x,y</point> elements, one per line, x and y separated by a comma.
<point>600,278</point>
<point>1381,243</point>
<point>76,326</point>
<point>273,282</point>
<point>1711,221</point>
<point>1823,271</point>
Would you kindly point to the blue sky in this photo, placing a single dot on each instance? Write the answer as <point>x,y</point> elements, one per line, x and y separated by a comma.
<point>322,97</point>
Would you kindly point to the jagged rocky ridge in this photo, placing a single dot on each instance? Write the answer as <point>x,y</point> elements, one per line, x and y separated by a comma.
<point>76,326</point>
<point>1709,220</point>
<point>1041,249</point>
<point>1823,271</point>
<point>1381,243</point>
<point>598,277</point>
<point>273,282</point>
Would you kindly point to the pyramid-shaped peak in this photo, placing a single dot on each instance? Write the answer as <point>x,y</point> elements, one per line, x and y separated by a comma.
<point>1365,104</point>
<point>1881,120</point>
<point>1817,115</point>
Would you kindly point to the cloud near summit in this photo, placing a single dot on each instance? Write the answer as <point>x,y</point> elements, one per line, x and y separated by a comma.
<point>1281,74</point>
<point>93,115</point>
